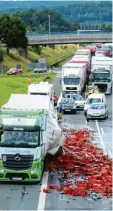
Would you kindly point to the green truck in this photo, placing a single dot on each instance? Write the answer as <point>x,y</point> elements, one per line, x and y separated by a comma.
<point>28,130</point>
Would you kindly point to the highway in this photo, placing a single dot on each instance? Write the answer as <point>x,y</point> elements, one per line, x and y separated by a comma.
<point>31,197</point>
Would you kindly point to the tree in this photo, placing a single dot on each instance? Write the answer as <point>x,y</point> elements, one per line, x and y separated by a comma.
<point>1,56</point>
<point>12,32</point>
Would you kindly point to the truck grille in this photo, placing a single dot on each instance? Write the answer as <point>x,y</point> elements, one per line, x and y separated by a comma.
<point>17,162</point>
<point>71,88</point>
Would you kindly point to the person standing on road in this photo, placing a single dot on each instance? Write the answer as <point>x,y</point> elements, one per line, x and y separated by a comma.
<point>55,99</point>
<point>59,113</point>
<point>29,80</point>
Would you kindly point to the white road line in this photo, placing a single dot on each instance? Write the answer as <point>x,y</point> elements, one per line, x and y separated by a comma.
<point>101,139</point>
<point>110,153</point>
<point>42,196</point>
<point>102,131</point>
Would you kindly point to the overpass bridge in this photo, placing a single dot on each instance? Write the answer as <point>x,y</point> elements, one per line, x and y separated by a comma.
<point>69,38</point>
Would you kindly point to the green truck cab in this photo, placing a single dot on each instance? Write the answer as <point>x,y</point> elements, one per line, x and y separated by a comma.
<point>29,130</point>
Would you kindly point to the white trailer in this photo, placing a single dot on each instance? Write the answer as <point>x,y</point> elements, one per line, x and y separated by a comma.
<point>104,61</point>
<point>73,77</point>
<point>83,51</point>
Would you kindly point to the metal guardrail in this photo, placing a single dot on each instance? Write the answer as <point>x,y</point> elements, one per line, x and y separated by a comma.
<point>71,38</point>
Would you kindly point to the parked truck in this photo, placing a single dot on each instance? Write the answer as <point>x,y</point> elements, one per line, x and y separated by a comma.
<point>102,77</point>
<point>29,130</point>
<point>73,77</point>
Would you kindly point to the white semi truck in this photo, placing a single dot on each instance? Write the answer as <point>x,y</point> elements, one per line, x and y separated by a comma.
<point>102,77</point>
<point>73,77</point>
<point>29,130</point>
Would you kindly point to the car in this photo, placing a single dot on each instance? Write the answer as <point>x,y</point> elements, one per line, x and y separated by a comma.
<point>40,70</point>
<point>68,105</point>
<point>94,98</point>
<point>97,111</point>
<point>14,71</point>
<point>78,98</point>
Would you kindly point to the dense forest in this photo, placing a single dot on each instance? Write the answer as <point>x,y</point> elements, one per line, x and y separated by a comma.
<point>82,11</point>
<point>39,21</point>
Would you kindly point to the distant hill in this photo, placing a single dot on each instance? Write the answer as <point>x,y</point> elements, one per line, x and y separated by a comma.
<point>10,5</point>
<point>82,11</point>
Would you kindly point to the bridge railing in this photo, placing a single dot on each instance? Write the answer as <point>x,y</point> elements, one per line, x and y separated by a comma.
<point>70,38</point>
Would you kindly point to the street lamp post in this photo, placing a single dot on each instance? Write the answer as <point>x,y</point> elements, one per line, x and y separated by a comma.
<point>49,23</point>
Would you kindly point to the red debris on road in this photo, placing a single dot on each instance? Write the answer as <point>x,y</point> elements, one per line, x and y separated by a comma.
<point>81,157</point>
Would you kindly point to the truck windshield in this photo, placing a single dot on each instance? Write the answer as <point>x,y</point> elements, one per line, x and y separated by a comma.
<point>71,81</point>
<point>30,139</point>
<point>101,76</point>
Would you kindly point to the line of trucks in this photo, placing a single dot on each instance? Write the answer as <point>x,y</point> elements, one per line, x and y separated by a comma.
<point>83,67</point>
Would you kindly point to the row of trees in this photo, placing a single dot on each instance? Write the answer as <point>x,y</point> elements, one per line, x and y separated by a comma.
<point>38,21</point>
<point>12,32</point>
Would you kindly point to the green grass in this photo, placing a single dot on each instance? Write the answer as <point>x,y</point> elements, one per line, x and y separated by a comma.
<point>51,55</point>
<point>18,84</point>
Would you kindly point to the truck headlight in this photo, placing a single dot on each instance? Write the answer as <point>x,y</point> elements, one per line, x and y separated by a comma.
<point>34,170</point>
<point>1,170</point>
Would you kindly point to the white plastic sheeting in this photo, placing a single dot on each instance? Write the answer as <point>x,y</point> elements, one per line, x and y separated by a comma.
<point>54,132</point>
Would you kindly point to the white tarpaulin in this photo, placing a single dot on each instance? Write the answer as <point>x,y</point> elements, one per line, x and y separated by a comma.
<point>54,135</point>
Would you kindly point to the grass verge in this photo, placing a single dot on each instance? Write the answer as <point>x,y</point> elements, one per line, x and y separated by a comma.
<point>52,55</point>
<point>18,85</point>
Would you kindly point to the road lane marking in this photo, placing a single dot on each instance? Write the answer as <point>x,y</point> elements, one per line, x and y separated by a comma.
<point>42,196</point>
<point>101,139</point>
<point>102,131</point>
<point>110,153</point>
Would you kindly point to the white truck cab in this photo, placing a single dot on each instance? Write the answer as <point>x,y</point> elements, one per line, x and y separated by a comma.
<point>42,88</point>
<point>73,77</point>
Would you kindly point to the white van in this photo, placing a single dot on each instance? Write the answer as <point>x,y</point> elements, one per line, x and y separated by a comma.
<point>94,98</point>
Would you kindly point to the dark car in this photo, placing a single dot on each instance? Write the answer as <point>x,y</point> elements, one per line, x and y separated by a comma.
<point>68,105</point>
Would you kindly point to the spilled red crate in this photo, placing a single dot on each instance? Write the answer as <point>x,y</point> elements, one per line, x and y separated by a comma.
<point>83,159</point>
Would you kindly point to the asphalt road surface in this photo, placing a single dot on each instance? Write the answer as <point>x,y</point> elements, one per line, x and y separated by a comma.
<point>103,139</point>
<point>30,197</point>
